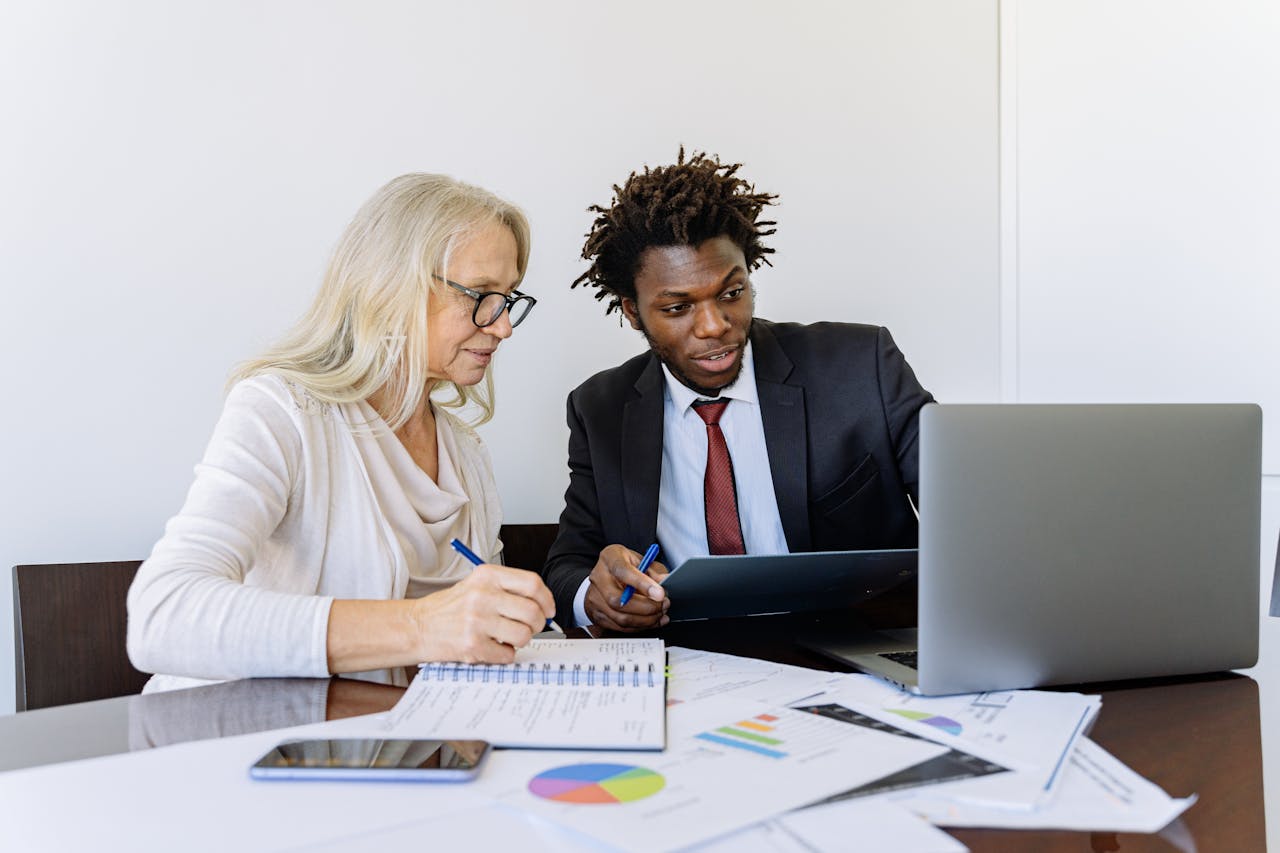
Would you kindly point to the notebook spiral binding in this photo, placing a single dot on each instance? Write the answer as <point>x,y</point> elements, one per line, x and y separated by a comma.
<point>560,675</point>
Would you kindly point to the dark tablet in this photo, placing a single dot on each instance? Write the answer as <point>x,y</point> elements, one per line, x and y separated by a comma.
<point>709,587</point>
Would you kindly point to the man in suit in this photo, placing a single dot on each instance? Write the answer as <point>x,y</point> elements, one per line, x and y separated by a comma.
<point>809,445</point>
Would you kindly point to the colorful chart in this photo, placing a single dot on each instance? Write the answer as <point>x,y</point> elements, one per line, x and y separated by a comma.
<point>947,724</point>
<point>596,783</point>
<point>753,735</point>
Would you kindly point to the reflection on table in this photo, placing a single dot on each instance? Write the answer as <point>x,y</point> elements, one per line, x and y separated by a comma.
<point>256,705</point>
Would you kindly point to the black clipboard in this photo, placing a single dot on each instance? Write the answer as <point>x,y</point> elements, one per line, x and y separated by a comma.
<point>756,584</point>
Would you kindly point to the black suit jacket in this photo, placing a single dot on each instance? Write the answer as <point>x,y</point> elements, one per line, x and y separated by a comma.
<point>840,408</point>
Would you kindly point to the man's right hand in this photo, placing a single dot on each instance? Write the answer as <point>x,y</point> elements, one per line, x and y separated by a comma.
<point>618,568</point>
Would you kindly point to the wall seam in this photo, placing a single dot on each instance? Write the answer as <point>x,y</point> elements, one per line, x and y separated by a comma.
<point>1007,147</point>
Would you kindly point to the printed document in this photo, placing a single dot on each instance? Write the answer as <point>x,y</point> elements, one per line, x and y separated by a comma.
<point>1032,732</point>
<point>1098,794</point>
<point>849,827</point>
<point>697,674</point>
<point>730,761</point>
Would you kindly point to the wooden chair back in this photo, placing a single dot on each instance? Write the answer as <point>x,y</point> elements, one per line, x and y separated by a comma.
<point>525,546</point>
<point>69,633</point>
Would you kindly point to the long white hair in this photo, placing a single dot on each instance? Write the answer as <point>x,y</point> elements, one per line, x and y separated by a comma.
<point>366,331</point>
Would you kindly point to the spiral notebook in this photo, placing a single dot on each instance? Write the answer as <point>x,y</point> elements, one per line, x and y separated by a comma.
<point>558,694</point>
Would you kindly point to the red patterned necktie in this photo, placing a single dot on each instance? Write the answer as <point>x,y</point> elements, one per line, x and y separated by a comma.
<point>724,530</point>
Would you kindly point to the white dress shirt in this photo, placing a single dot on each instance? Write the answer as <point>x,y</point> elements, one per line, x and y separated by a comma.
<point>682,525</point>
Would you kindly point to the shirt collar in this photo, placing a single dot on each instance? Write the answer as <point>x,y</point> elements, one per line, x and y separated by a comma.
<point>743,389</point>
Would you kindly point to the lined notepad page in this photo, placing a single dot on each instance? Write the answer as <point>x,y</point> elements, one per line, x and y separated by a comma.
<point>558,694</point>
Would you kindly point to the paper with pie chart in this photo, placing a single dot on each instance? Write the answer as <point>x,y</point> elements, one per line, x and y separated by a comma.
<point>726,757</point>
<point>1030,731</point>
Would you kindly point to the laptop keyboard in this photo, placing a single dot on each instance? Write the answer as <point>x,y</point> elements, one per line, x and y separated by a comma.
<point>908,659</point>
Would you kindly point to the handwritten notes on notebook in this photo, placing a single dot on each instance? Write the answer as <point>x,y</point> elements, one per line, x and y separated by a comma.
<point>558,694</point>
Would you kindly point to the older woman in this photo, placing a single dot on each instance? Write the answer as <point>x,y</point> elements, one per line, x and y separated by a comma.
<point>315,538</point>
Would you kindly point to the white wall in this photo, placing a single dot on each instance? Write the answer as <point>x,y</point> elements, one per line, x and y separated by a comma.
<point>172,176</point>
<point>1148,216</point>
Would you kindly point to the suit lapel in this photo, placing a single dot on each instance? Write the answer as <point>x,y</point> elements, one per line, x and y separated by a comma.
<point>785,433</point>
<point>642,455</point>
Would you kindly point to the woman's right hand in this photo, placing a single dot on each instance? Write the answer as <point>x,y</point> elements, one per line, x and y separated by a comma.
<point>484,617</point>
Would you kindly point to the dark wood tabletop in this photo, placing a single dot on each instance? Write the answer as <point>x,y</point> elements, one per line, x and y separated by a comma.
<point>1190,735</point>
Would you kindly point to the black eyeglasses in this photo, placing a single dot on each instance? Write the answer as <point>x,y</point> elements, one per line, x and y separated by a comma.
<point>491,304</point>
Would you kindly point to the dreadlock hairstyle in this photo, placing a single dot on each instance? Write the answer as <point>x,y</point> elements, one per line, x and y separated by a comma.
<point>681,205</point>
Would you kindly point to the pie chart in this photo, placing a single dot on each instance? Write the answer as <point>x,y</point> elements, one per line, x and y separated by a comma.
<point>596,783</point>
<point>947,724</point>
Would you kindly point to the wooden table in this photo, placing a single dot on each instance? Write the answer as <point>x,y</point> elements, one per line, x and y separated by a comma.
<point>1197,735</point>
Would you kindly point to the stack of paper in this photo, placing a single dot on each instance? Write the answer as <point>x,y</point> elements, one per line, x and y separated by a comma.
<point>730,761</point>
<point>1050,775</point>
<point>1031,732</point>
<point>1058,778</point>
<point>750,742</point>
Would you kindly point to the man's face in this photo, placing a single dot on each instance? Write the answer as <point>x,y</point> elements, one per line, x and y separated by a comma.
<point>694,305</point>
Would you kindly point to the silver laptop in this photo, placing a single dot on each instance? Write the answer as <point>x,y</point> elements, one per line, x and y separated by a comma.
<point>1064,544</point>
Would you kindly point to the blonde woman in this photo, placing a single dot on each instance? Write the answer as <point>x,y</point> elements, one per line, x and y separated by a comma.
<point>315,539</point>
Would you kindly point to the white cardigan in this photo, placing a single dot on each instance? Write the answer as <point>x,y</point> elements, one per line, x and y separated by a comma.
<point>296,503</point>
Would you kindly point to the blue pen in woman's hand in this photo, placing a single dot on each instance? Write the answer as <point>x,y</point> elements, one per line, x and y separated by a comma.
<point>643,568</point>
<point>475,561</point>
<point>466,552</point>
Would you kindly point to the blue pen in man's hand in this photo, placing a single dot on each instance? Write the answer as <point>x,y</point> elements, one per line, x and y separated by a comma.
<point>645,563</point>
<point>475,561</point>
